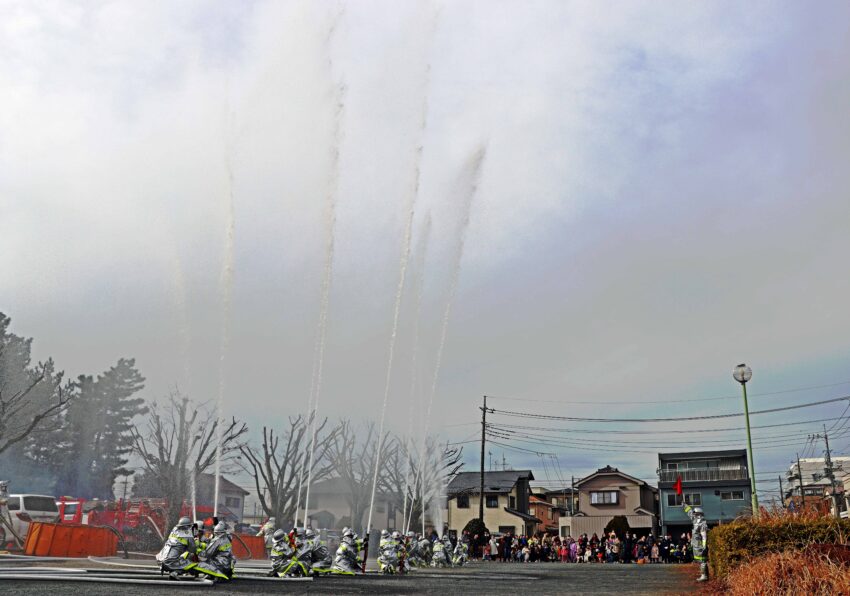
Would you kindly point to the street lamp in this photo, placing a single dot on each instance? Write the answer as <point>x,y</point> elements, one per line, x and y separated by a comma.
<point>743,373</point>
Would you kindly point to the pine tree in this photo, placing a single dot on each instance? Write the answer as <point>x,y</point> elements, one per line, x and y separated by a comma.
<point>95,439</point>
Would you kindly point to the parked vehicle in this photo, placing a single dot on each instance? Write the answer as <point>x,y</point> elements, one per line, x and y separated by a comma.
<point>24,509</point>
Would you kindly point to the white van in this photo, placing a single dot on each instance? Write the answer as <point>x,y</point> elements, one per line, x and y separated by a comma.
<point>24,509</point>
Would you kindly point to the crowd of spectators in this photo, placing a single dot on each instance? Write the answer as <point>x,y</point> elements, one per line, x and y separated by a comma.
<point>610,548</point>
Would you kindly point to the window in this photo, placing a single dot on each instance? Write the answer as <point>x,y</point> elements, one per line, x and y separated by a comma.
<point>607,497</point>
<point>236,503</point>
<point>512,502</point>
<point>14,504</point>
<point>565,531</point>
<point>492,501</point>
<point>40,504</point>
<point>692,499</point>
<point>507,529</point>
<point>463,501</point>
<point>735,495</point>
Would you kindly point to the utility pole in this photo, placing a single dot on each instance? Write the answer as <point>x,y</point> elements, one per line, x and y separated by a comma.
<point>483,439</point>
<point>572,495</point>
<point>829,471</point>
<point>800,478</point>
<point>781,492</point>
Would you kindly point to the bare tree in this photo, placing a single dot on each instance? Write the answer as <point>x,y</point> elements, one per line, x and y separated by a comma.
<point>405,473</point>
<point>180,442</point>
<point>353,456</point>
<point>276,465</point>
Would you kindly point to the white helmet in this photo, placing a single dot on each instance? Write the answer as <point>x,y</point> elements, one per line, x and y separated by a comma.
<point>384,534</point>
<point>279,535</point>
<point>309,533</point>
<point>396,535</point>
<point>220,528</point>
<point>347,532</point>
<point>697,511</point>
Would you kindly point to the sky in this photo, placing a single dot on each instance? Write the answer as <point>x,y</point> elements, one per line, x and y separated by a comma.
<point>612,203</point>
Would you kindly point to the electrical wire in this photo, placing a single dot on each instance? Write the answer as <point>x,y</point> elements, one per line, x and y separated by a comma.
<point>668,401</point>
<point>679,419</point>
<point>655,432</point>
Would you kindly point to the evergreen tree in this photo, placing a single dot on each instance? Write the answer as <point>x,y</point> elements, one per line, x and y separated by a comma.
<point>96,440</point>
<point>32,399</point>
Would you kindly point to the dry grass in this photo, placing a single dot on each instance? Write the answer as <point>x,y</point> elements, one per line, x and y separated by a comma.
<point>787,573</point>
<point>746,540</point>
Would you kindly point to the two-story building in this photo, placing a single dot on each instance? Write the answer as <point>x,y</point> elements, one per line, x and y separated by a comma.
<point>506,501</point>
<point>811,476</point>
<point>607,493</point>
<point>566,499</point>
<point>717,481</point>
<point>548,513</point>
<point>231,498</point>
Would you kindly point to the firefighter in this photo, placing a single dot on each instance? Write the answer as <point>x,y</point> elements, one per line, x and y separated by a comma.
<point>388,553</point>
<point>347,560</point>
<point>699,539</point>
<point>176,555</point>
<point>216,556</point>
<point>424,549</point>
<point>300,562</point>
<point>321,559</point>
<point>281,553</point>
<point>267,531</point>
<point>461,552</point>
<point>414,556</point>
<point>441,553</point>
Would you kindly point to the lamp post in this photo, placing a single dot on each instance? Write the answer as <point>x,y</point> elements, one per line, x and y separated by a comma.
<point>743,373</point>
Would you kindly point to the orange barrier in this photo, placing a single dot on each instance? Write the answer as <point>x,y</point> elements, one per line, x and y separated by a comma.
<point>65,540</point>
<point>256,544</point>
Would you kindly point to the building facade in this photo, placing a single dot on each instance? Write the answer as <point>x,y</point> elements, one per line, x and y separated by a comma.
<point>607,493</point>
<point>231,498</point>
<point>812,478</point>
<point>507,498</point>
<point>717,481</point>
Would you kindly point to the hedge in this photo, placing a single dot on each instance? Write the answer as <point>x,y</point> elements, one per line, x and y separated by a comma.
<point>732,544</point>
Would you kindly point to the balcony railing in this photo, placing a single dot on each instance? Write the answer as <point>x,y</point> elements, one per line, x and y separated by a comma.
<point>703,475</point>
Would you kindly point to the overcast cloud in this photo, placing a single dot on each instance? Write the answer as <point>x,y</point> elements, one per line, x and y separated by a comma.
<point>664,194</point>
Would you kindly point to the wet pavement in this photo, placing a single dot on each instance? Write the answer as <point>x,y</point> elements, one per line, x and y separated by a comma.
<point>476,578</point>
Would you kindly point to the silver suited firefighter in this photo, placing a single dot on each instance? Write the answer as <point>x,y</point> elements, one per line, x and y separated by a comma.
<point>347,559</point>
<point>217,560</point>
<point>320,556</point>
<point>176,555</point>
<point>280,554</point>
<point>699,539</point>
<point>389,552</point>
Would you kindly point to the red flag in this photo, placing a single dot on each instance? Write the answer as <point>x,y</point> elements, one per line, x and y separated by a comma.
<point>678,485</point>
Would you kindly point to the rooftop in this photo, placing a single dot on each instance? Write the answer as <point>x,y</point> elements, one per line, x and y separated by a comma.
<point>494,482</point>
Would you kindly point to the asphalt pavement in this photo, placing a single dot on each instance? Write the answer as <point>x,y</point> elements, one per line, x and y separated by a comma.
<point>475,578</point>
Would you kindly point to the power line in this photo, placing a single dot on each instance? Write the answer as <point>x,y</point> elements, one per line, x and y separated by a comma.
<point>656,432</point>
<point>668,401</point>
<point>680,419</point>
<point>511,429</point>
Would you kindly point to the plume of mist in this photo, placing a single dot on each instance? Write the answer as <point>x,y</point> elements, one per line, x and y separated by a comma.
<point>330,225</point>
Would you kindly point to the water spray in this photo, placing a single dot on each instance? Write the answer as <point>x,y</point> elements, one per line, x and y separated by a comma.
<point>472,172</point>
<point>319,355</point>
<point>227,297</point>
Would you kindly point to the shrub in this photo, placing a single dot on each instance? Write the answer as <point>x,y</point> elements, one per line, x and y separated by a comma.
<point>619,524</point>
<point>475,526</point>
<point>745,540</point>
<point>788,573</point>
